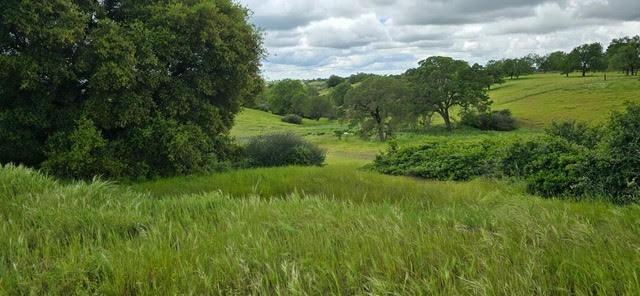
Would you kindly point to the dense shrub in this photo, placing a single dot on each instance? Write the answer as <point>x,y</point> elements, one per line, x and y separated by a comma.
<point>91,87</point>
<point>572,160</point>
<point>292,118</point>
<point>551,166</point>
<point>495,121</point>
<point>575,132</point>
<point>282,150</point>
<point>453,160</point>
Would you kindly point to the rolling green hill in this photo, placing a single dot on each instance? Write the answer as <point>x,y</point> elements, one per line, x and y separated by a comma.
<point>538,100</point>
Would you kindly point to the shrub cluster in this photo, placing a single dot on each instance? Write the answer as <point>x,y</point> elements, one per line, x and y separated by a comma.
<point>494,121</point>
<point>292,118</point>
<point>571,160</point>
<point>282,150</point>
<point>450,160</point>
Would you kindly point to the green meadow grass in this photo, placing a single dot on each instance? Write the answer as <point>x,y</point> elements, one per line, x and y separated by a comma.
<point>540,99</point>
<point>362,233</point>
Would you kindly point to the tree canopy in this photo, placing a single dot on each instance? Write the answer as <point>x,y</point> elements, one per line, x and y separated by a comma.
<point>588,58</point>
<point>378,105</point>
<point>123,88</point>
<point>288,97</point>
<point>442,82</point>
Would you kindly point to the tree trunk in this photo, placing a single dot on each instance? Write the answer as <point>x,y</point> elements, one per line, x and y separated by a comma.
<point>446,118</point>
<point>379,125</point>
<point>584,71</point>
<point>381,134</point>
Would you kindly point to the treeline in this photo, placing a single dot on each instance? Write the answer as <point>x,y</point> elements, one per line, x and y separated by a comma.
<point>381,105</point>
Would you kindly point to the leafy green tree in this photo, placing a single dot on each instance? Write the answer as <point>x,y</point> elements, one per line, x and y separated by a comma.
<point>334,80</point>
<point>339,92</point>
<point>494,69</point>
<point>317,107</point>
<point>287,97</point>
<point>378,105</point>
<point>553,62</point>
<point>624,54</point>
<point>514,68</point>
<point>96,78</point>
<point>589,58</point>
<point>441,83</point>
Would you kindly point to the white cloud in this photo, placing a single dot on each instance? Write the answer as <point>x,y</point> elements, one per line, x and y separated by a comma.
<point>308,39</point>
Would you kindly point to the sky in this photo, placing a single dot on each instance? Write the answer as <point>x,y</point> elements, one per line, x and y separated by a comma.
<point>308,39</point>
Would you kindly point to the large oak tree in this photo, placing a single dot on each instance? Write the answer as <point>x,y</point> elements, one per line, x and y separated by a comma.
<point>378,105</point>
<point>123,87</point>
<point>440,83</point>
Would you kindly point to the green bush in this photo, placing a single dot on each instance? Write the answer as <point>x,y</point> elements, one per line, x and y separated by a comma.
<point>570,161</point>
<point>283,150</point>
<point>552,166</point>
<point>575,132</point>
<point>292,118</point>
<point>453,160</point>
<point>495,121</point>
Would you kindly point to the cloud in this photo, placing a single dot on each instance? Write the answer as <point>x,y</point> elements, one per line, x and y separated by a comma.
<point>308,39</point>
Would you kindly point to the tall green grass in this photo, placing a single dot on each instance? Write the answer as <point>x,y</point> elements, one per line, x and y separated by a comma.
<point>421,238</point>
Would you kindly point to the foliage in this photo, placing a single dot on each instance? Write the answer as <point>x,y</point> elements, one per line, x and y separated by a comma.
<point>624,54</point>
<point>282,150</point>
<point>95,79</point>
<point>575,132</point>
<point>588,58</point>
<point>360,77</point>
<point>334,80</point>
<point>572,160</point>
<point>292,118</point>
<point>514,68</point>
<point>317,107</point>
<point>495,71</point>
<point>489,121</point>
<point>441,83</point>
<point>287,97</point>
<point>339,92</point>
<point>554,62</point>
<point>378,106</point>
<point>447,160</point>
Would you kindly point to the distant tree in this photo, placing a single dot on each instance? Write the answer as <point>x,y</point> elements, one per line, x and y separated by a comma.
<point>378,105</point>
<point>553,62</point>
<point>441,83</point>
<point>535,61</point>
<point>494,69</point>
<point>287,97</point>
<point>338,93</point>
<point>514,68</point>
<point>317,107</point>
<point>589,58</point>
<point>624,54</point>
<point>357,78</point>
<point>334,80</point>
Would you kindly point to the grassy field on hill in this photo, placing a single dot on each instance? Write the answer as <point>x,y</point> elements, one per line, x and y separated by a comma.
<point>337,229</point>
<point>538,100</point>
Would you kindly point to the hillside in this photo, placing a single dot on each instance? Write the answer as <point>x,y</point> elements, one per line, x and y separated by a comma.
<point>538,100</point>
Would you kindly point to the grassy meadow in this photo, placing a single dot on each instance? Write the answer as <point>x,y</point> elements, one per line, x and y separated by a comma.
<point>338,229</point>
